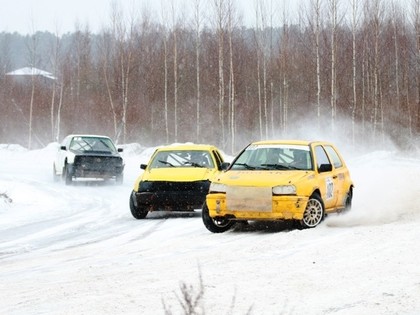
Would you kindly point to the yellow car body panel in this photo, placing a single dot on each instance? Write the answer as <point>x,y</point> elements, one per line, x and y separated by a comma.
<point>176,178</point>
<point>249,193</point>
<point>181,174</point>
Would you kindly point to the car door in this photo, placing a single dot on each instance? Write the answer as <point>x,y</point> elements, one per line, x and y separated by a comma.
<point>339,174</point>
<point>327,180</point>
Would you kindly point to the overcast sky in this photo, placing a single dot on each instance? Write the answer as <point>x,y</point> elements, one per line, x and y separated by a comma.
<point>27,16</point>
<point>61,16</point>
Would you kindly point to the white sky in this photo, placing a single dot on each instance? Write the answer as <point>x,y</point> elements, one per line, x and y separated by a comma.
<point>61,16</point>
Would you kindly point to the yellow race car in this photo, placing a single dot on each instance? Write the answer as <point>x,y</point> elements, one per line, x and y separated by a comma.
<point>279,180</point>
<point>177,178</point>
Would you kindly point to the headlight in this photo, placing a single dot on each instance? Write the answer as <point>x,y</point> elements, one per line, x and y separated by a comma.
<point>145,186</point>
<point>284,190</point>
<point>217,188</point>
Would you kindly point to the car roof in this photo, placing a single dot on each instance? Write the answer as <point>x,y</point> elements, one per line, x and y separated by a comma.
<point>288,141</point>
<point>87,136</point>
<point>187,147</point>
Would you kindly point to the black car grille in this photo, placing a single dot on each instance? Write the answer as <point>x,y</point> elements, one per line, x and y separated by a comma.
<point>166,186</point>
<point>98,162</point>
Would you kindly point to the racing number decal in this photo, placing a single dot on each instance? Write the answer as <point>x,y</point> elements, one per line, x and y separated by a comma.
<point>329,183</point>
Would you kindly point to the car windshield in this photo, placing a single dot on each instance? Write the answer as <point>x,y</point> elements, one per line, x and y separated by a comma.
<point>274,157</point>
<point>92,144</point>
<point>182,158</point>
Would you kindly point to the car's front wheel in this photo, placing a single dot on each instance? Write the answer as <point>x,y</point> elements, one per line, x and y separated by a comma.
<point>136,211</point>
<point>119,179</point>
<point>314,212</point>
<point>56,177</point>
<point>215,225</point>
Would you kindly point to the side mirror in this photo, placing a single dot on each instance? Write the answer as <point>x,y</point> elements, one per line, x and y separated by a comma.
<point>224,166</point>
<point>143,166</point>
<point>325,168</point>
<point>63,147</point>
<point>120,149</point>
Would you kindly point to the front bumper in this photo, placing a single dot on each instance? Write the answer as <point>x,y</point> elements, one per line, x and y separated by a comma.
<point>278,208</point>
<point>171,196</point>
<point>90,167</point>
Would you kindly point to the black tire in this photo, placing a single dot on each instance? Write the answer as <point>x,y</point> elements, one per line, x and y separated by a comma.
<point>137,212</point>
<point>68,176</point>
<point>215,225</point>
<point>349,200</point>
<point>314,212</point>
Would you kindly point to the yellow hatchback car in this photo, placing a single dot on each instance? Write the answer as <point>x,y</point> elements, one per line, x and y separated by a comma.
<point>177,178</point>
<point>279,180</point>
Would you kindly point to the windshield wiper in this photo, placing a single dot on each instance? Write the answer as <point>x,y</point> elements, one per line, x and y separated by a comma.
<point>277,166</point>
<point>193,164</point>
<point>167,163</point>
<point>248,167</point>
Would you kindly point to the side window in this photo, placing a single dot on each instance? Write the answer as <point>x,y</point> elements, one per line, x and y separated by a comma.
<point>334,156</point>
<point>321,156</point>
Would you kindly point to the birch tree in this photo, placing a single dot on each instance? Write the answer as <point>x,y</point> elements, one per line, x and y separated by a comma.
<point>32,46</point>
<point>165,69</point>
<point>232,90</point>
<point>354,25</point>
<point>55,65</point>
<point>284,67</point>
<point>175,68</point>
<point>197,24</point>
<point>416,7</point>
<point>262,44</point>
<point>333,11</point>
<point>220,12</point>
<point>316,6</point>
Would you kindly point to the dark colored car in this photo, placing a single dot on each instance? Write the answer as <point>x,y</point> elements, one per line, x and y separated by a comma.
<point>88,156</point>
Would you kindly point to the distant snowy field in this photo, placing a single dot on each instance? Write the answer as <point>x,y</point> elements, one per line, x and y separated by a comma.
<point>77,249</point>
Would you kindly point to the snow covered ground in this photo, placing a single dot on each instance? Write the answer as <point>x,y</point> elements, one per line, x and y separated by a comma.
<point>77,249</point>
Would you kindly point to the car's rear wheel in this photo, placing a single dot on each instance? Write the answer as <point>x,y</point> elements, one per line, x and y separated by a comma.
<point>349,198</point>
<point>215,225</point>
<point>68,176</point>
<point>314,212</point>
<point>136,211</point>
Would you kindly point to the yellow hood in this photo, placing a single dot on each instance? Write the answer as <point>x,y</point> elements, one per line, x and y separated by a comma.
<point>261,178</point>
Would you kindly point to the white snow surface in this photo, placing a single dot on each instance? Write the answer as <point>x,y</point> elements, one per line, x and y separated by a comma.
<point>77,249</point>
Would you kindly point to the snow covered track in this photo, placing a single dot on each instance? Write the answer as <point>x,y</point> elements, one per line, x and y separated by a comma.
<point>77,249</point>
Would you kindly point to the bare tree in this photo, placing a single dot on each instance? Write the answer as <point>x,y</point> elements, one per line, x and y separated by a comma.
<point>284,64</point>
<point>232,90</point>
<point>354,24</point>
<point>333,11</point>
<point>198,25</point>
<point>377,13</point>
<point>220,11</point>
<point>316,6</point>
<point>32,47</point>
<point>175,67</point>
<point>165,69</point>
<point>416,7</point>
<point>55,65</point>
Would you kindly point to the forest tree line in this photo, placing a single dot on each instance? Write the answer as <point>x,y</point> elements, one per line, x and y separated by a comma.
<point>209,79</point>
